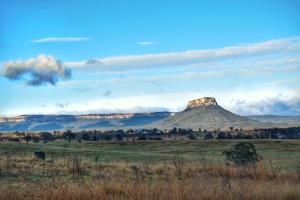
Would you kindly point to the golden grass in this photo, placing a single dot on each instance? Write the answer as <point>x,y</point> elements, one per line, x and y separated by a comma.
<point>195,188</point>
<point>75,177</point>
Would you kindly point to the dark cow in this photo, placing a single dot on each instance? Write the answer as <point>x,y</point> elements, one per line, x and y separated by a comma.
<point>40,155</point>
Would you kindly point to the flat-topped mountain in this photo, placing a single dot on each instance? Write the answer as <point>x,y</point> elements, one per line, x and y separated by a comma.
<point>205,101</point>
<point>205,113</point>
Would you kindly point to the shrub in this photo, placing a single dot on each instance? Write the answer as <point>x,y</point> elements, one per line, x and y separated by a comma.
<point>192,136</point>
<point>208,136</point>
<point>27,138</point>
<point>35,139</point>
<point>75,166</point>
<point>178,162</point>
<point>40,155</point>
<point>46,136</point>
<point>142,137</point>
<point>14,139</point>
<point>243,153</point>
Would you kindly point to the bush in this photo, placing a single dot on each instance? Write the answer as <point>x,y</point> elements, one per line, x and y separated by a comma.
<point>243,153</point>
<point>45,136</point>
<point>208,136</point>
<point>192,136</point>
<point>35,139</point>
<point>14,139</point>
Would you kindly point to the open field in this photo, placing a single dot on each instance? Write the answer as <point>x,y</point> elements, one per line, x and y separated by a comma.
<point>147,170</point>
<point>283,154</point>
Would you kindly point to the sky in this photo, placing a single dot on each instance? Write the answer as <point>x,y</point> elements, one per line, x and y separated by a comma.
<point>78,57</point>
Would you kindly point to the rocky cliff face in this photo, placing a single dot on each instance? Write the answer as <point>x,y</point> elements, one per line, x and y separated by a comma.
<point>205,101</point>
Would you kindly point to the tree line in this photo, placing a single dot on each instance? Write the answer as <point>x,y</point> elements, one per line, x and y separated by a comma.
<point>155,134</point>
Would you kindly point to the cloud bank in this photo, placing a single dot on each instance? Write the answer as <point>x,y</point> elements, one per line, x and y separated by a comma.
<point>60,39</point>
<point>271,106</point>
<point>37,71</point>
<point>193,56</point>
<point>242,101</point>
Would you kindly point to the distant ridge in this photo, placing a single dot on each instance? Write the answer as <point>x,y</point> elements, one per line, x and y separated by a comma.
<point>204,113</point>
<point>79,122</point>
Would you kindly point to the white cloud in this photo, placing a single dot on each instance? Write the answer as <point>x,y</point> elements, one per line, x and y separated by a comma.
<point>260,100</point>
<point>193,56</point>
<point>269,106</point>
<point>198,71</point>
<point>146,43</point>
<point>41,70</point>
<point>77,84</point>
<point>60,39</point>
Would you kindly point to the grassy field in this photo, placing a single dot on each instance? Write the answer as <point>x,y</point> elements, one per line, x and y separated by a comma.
<point>284,155</point>
<point>183,169</point>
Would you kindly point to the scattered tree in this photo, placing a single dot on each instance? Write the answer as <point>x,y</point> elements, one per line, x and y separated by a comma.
<point>27,138</point>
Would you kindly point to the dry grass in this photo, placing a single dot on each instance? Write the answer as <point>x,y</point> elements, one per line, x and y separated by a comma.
<point>76,177</point>
<point>200,187</point>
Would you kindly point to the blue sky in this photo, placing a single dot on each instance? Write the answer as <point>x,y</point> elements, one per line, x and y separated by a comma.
<point>136,56</point>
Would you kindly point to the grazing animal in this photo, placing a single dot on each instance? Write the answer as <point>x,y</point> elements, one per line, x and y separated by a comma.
<point>40,155</point>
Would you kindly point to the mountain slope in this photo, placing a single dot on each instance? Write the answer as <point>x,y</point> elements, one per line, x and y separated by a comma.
<point>208,117</point>
<point>205,113</point>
